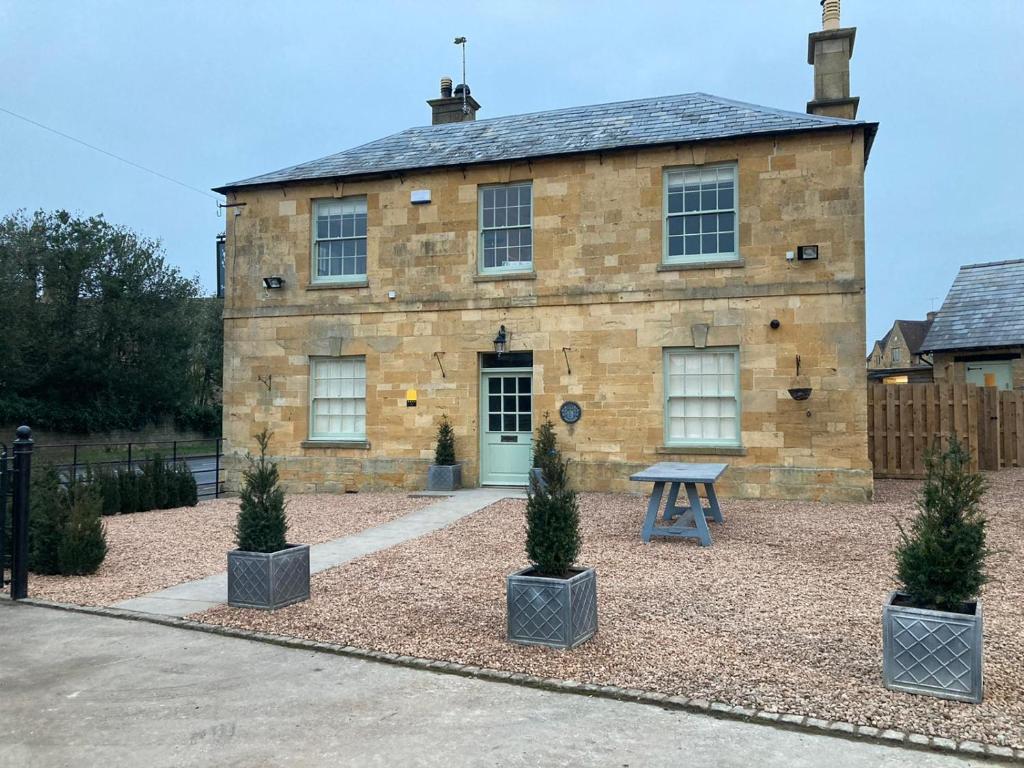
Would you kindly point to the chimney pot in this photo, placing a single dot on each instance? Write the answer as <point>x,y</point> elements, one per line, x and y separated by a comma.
<point>455,105</point>
<point>931,315</point>
<point>446,87</point>
<point>829,14</point>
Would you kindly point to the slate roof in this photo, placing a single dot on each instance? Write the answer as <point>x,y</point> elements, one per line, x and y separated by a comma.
<point>984,308</point>
<point>642,122</point>
<point>914,333</point>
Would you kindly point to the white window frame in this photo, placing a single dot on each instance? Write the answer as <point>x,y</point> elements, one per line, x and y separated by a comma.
<point>723,256</point>
<point>667,353</point>
<point>315,276</point>
<point>518,265</point>
<point>896,353</point>
<point>358,411</point>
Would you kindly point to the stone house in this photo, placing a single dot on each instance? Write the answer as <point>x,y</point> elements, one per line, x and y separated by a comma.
<point>978,333</point>
<point>647,272</point>
<point>896,358</point>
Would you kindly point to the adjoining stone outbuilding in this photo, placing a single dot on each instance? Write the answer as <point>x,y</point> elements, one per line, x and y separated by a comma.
<point>656,266</point>
<point>978,334</point>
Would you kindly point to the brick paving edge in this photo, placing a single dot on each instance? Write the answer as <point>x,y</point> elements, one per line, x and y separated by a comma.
<point>786,721</point>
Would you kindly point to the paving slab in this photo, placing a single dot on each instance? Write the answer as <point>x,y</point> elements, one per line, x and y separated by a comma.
<point>82,690</point>
<point>203,594</point>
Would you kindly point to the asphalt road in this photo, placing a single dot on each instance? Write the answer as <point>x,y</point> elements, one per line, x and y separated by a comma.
<point>79,690</point>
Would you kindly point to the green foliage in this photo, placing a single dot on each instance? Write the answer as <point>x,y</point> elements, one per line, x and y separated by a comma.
<point>144,492</point>
<point>109,488</point>
<point>155,473</point>
<point>128,490</point>
<point>262,523</point>
<point>186,492</point>
<point>444,454</point>
<point>940,563</point>
<point>83,544</point>
<point>100,332</point>
<point>47,518</point>
<point>552,512</point>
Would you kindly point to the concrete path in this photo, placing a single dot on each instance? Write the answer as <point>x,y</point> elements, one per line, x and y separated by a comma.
<point>200,595</point>
<point>80,690</point>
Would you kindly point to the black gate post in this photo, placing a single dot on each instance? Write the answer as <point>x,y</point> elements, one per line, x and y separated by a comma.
<point>19,513</point>
<point>4,480</point>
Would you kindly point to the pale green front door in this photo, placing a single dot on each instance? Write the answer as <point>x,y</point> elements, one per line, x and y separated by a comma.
<point>989,374</point>
<point>506,421</point>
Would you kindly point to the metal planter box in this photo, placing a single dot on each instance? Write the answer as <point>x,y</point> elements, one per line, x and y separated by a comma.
<point>936,653</point>
<point>442,477</point>
<point>558,613</point>
<point>268,580</point>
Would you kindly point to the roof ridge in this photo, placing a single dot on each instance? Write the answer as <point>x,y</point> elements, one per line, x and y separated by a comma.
<point>823,119</point>
<point>992,264</point>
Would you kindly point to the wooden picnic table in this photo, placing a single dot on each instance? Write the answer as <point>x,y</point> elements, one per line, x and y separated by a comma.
<point>688,521</point>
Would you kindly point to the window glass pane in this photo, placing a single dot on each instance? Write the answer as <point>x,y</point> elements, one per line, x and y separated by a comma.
<point>494,386</point>
<point>675,202</point>
<point>726,243</point>
<point>525,423</point>
<point>509,404</point>
<point>692,201</point>
<point>524,383</point>
<point>675,246</point>
<point>493,403</point>
<point>510,423</point>
<point>709,244</point>
<point>675,225</point>
<point>524,404</point>
<point>494,422</point>
<point>509,385</point>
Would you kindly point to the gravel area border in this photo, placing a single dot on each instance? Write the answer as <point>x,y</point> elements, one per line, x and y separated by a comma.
<point>150,551</point>
<point>782,614</point>
<point>813,726</point>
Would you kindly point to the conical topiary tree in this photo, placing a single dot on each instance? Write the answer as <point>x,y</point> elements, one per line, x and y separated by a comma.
<point>940,562</point>
<point>552,512</point>
<point>83,545</point>
<point>48,515</point>
<point>444,454</point>
<point>262,523</point>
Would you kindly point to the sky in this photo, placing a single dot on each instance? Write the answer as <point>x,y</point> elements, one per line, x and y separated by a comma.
<point>211,92</point>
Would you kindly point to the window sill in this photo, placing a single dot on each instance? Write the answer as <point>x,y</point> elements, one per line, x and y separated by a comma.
<point>684,265</point>
<point>328,286</point>
<point>703,450</point>
<point>495,276</point>
<point>359,444</point>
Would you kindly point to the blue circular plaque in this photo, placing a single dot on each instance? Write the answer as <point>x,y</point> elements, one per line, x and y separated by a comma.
<point>570,412</point>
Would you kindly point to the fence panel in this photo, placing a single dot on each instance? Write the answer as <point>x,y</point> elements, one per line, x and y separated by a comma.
<point>905,420</point>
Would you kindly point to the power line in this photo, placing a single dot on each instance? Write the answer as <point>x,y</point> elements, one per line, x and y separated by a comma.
<point>125,160</point>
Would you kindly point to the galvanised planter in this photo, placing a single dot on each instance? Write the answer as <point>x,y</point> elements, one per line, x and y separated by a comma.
<point>442,477</point>
<point>268,580</point>
<point>558,613</point>
<point>937,653</point>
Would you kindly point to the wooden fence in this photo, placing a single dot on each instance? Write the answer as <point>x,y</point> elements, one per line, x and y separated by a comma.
<point>905,420</point>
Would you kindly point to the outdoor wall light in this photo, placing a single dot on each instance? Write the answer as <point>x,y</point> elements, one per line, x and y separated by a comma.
<point>807,253</point>
<point>501,341</point>
<point>273,283</point>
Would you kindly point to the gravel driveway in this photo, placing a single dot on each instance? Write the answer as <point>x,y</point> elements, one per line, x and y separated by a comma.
<point>148,551</point>
<point>782,613</point>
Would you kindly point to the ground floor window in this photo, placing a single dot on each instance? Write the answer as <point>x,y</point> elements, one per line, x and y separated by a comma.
<point>702,401</point>
<point>337,392</point>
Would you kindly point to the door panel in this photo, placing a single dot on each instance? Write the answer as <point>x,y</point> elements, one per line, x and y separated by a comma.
<point>506,446</point>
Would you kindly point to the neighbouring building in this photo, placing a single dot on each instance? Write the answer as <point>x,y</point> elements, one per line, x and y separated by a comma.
<point>896,358</point>
<point>978,333</point>
<point>647,272</point>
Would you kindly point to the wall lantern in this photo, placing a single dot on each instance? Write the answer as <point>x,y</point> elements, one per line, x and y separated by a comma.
<point>501,341</point>
<point>273,283</point>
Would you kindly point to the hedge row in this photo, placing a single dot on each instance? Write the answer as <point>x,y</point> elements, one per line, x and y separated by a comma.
<point>158,486</point>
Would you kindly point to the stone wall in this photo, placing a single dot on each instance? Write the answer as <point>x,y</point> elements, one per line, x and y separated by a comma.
<point>598,289</point>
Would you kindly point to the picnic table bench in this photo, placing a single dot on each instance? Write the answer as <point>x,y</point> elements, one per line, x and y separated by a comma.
<point>688,521</point>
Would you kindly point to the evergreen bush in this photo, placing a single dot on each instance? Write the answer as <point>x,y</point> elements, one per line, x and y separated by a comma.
<point>552,511</point>
<point>444,454</point>
<point>48,514</point>
<point>144,492</point>
<point>940,563</point>
<point>109,486</point>
<point>128,489</point>
<point>262,523</point>
<point>83,543</point>
<point>156,474</point>
<point>188,492</point>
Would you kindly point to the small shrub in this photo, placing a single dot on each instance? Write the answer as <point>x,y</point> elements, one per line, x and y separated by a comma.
<point>552,511</point>
<point>155,473</point>
<point>83,544</point>
<point>48,514</point>
<point>188,492</point>
<point>444,454</point>
<point>144,492</point>
<point>109,486</point>
<point>128,488</point>
<point>940,563</point>
<point>262,523</point>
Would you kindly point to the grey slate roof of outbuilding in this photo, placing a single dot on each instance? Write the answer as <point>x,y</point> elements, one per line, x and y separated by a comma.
<point>642,122</point>
<point>984,308</point>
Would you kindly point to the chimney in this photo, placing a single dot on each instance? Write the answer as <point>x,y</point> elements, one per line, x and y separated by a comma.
<point>931,315</point>
<point>452,107</point>
<point>830,51</point>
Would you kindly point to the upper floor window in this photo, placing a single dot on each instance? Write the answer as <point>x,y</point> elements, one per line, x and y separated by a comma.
<point>896,354</point>
<point>700,214</point>
<point>506,228</point>
<point>339,240</point>
<point>337,398</point>
<point>702,400</point>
